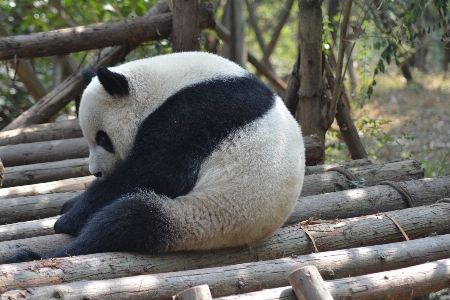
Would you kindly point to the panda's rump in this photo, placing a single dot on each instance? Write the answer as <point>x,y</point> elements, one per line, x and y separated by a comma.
<point>245,189</point>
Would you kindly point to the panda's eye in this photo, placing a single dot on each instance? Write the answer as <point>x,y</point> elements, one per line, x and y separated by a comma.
<point>104,141</point>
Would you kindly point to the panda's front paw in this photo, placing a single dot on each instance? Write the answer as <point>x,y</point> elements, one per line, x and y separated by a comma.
<point>23,255</point>
<point>68,205</point>
<point>68,223</point>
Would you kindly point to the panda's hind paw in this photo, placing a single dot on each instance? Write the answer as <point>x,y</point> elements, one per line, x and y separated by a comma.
<point>23,255</point>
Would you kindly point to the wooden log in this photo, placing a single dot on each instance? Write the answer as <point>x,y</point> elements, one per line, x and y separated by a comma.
<point>46,172</point>
<point>403,283</point>
<point>66,185</point>
<point>308,284</point>
<point>370,200</point>
<point>345,204</point>
<point>54,101</point>
<point>77,167</point>
<point>223,281</point>
<point>286,244</point>
<point>31,208</point>
<point>346,165</point>
<point>39,152</point>
<point>24,212</point>
<point>200,292</point>
<point>63,41</point>
<point>28,229</point>
<point>372,174</point>
<point>43,132</point>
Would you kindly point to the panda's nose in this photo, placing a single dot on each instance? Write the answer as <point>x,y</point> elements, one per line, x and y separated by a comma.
<point>98,174</point>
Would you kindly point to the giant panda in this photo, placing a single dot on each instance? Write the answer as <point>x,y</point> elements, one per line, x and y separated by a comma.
<point>192,153</point>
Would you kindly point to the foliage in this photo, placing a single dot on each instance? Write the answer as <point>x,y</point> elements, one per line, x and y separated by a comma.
<point>29,16</point>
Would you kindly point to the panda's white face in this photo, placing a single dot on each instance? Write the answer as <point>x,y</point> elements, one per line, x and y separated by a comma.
<point>149,83</point>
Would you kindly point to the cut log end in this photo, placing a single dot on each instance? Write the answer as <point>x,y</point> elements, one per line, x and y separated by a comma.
<point>200,292</point>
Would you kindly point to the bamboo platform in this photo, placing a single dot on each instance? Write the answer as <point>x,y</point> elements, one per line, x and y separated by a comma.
<point>372,231</point>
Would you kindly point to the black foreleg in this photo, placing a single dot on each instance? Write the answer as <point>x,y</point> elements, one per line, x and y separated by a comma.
<point>134,223</point>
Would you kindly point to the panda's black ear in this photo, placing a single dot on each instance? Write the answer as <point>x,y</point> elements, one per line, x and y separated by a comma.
<point>88,74</point>
<point>114,83</point>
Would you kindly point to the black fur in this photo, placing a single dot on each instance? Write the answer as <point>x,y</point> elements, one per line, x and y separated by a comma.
<point>88,74</point>
<point>102,139</point>
<point>114,83</point>
<point>120,212</point>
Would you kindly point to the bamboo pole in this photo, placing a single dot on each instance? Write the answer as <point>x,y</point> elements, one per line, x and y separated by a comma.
<point>287,243</point>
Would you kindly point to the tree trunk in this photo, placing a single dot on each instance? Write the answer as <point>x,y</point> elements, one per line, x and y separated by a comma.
<point>46,172</point>
<point>364,231</point>
<point>311,112</point>
<point>287,243</point>
<point>185,32</point>
<point>224,34</point>
<point>66,185</point>
<point>43,132</point>
<point>39,152</point>
<point>234,21</point>
<point>397,284</point>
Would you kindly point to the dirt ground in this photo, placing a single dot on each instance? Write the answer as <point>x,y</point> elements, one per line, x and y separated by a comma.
<point>403,120</point>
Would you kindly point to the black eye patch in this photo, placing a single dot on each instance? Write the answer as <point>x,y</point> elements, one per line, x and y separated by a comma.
<point>104,141</point>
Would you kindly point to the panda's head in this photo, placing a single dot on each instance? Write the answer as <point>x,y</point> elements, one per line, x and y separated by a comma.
<point>106,89</point>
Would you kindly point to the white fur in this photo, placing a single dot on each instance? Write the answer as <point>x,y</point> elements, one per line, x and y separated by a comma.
<point>246,188</point>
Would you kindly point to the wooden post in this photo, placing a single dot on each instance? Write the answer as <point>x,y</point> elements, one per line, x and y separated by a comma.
<point>234,21</point>
<point>309,112</point>
<point>185,31</point>
<point>308,284</point>
<point>200,292</point>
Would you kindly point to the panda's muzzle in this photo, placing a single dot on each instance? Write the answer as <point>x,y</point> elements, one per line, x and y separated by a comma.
<point>98,174</point>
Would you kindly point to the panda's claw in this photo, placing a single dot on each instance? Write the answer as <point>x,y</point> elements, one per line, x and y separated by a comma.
<point>23,255</point>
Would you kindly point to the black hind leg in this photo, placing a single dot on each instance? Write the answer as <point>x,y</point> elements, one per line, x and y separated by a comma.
<point>134,223</point>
